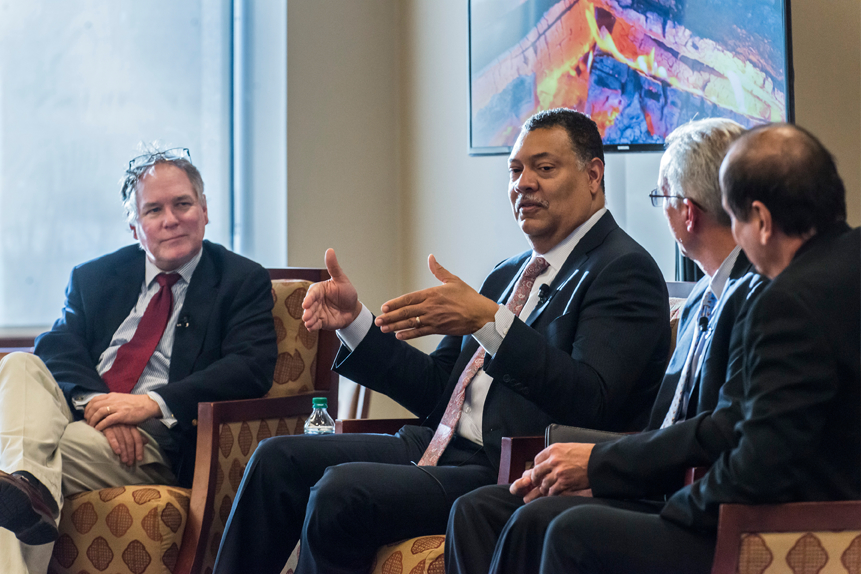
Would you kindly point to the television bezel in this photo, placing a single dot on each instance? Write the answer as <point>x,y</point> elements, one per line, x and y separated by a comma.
<point>629,148</point>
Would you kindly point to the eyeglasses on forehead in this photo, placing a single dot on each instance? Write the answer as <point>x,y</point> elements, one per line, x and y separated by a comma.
<point>148,159</point>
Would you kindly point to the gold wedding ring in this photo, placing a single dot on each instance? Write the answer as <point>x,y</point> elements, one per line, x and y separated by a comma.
<point>418,322</point>
<point>109,409</point>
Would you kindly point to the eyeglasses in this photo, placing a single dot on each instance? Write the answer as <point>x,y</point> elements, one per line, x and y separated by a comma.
<point>149,159</point>
<point>658,199</point>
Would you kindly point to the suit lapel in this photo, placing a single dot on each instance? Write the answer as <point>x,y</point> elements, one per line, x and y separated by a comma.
<point>570,274</point>
<point>128,278</point>
<point>194,317</point>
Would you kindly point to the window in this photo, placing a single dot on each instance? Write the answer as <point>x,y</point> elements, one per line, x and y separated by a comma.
<point>81,85</point>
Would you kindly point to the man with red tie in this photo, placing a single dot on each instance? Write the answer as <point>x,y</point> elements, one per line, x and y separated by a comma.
<point>147,332</point>
<point>575,330</point>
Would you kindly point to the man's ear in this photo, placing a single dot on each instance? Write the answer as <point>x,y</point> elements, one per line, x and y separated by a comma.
<point>134,231</point>
<point>764,222</point>
<point>595,171</point>
<point>692,217</point>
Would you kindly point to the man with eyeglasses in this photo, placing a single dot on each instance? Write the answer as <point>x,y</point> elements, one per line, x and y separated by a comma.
<point>110,396</point>
<point>497,530</point>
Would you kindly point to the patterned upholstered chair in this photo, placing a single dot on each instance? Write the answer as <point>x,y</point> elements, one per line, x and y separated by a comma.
<point>163,529</point>
<point>798,538</point>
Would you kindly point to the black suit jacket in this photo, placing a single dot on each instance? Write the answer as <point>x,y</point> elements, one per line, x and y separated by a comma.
<point>591,355</point>
<point>226,352</point>
<point>800,438</point>
<point>653,462</point>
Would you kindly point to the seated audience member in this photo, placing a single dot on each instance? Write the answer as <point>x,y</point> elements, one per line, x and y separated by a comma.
<point>492,529</point>
<point>801,433</point>
<point>147,332</point>
<point>575,330</point>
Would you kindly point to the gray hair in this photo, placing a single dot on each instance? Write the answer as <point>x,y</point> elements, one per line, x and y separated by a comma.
<point>691,162</point>
<point>143,165</point>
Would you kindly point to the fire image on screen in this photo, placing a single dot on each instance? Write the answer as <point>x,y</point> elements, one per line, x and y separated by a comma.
<point>639,68</point>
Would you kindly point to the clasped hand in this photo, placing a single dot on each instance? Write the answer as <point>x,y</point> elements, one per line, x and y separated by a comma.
<point>560,469</point>
<point>117,415</point>
<point>453,308</point>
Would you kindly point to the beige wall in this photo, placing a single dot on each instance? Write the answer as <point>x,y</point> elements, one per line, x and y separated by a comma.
<point>377,138</point>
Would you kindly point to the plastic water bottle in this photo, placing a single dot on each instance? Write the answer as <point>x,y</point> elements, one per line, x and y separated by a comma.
<point>320,422</point>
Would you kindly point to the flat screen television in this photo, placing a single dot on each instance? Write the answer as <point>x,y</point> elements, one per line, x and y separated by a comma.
<point>639,68</point>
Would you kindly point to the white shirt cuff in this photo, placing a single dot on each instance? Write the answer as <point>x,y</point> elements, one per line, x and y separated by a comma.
<point>352,334</point>
<point>167,417</point>
<point>80,401</point>
<point>491,335</point>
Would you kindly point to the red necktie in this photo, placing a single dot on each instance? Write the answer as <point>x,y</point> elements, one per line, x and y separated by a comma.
<point>134,355</point>
<point>445,430</point>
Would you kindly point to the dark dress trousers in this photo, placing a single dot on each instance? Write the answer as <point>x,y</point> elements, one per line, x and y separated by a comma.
<point>224,347</point>
<point>592,354</point>
<point>492,525</point>
<point>798,441</point>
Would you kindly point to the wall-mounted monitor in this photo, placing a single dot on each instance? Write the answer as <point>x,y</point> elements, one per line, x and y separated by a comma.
<point>639,68</point>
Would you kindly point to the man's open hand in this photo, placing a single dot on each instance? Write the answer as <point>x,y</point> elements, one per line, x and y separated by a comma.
<point>331,304</point>
<point>111,409</point>
<point>453,308</point>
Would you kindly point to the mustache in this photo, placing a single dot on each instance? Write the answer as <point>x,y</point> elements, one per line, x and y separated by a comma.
<point>526,198</point>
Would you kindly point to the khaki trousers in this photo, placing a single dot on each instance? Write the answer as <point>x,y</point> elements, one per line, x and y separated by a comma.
<point>38,434</point>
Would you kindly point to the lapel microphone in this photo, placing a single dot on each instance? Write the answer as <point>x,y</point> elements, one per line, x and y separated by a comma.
<point>183,322</point>
<point>703,323</point>
<point>543,293</point>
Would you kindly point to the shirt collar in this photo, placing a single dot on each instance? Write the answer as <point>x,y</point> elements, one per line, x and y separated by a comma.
<point>719,279</point>
<point>557,256</point>
<point>185,271</point>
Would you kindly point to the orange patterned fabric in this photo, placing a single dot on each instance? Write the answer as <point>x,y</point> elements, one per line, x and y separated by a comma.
<point>297,347</point>
<point>422,555</point>
<point>125,530</point>
<point>236,443</point>
<point>800,553</point>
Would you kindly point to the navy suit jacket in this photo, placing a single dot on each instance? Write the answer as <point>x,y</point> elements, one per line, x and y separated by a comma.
<point>224,348</point>
<point>800,437</point>
<point>653,462</point>
<point>591,355</point>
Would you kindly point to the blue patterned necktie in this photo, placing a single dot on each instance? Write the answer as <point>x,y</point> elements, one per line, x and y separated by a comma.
<point>678,408</point>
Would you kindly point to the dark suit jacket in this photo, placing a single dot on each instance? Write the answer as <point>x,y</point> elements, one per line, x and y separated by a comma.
<point>801,435</point>
<point>226,352</point>
<point>591,355</point>
<point>653,462</point>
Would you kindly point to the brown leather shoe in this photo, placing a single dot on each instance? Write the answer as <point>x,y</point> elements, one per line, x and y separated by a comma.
<point>25,511</point>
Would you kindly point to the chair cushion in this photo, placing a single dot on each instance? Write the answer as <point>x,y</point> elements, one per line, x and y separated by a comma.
<point>423,555</point>
<point>297,347</point>
<point>800,552</point>
<point>123,530</point>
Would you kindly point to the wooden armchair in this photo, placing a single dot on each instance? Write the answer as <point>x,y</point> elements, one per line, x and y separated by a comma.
<point>153,529</point>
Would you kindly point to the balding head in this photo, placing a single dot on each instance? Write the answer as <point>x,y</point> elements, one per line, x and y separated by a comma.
<point>787,169</point>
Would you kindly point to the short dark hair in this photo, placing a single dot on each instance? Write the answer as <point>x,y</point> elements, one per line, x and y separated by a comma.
<point>787,169</point>
<point>582,131</point>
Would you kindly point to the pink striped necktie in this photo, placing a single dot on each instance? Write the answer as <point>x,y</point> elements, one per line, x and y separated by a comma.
<point>445,430</point>
<point>132,357</point>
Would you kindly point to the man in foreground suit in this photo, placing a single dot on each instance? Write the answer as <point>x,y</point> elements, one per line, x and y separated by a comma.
<point>583,338</point>
<point>800,436</point>
<point>492,529</point>
<point>110,396</point>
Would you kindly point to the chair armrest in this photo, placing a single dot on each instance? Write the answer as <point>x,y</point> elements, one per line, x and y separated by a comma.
<point>380,426</point>
<point>210,418</point>
<point>517,456</point>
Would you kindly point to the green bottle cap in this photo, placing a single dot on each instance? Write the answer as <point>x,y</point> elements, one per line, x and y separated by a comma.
<point>320,402</point>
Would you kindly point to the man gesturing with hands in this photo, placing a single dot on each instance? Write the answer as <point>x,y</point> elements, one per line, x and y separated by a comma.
<point>575,330</point>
